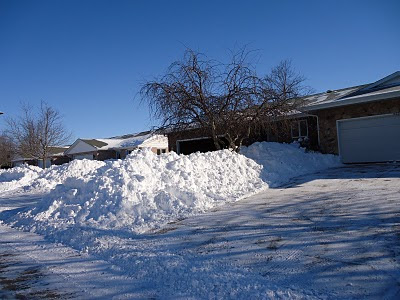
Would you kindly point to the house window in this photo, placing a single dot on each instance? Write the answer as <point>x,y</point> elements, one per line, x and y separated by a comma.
<point>299,129</point>
<point>163,150</point>
<point>158,151</point>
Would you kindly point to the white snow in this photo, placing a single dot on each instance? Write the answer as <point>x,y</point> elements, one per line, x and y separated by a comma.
<point>140,192</point>
<point>145,191</point>
<point>330,235</point>
<point>135,141</point>
<point>18,177</point>
<point>284,161</point>
<point>104,208</point>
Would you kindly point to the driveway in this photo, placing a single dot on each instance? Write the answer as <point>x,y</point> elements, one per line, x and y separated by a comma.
<point>335,234</point>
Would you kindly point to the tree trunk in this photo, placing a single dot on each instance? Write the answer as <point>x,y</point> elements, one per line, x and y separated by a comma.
<point>214,137</point>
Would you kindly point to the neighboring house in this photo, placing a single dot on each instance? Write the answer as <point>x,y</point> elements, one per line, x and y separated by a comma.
<point>117,147</point>
<point>361,124</point>
<point>56,157</point>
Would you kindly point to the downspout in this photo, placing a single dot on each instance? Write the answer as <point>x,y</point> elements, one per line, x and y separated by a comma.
<point>315,116</point>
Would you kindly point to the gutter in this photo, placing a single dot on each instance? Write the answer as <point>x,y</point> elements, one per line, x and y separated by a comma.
<point>354,100</point>
<point>315,116</point>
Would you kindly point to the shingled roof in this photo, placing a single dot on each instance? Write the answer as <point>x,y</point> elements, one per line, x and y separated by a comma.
<point>385,88</point>
<point>94,143</point>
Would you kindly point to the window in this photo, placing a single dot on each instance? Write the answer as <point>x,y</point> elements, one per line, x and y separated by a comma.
<point>299,129</point>
<point>164,151</point>
<point>158,151</point>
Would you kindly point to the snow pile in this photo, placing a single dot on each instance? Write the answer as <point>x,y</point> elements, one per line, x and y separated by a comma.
<point>284,161</point>
<point>145,191</point>
<point>38,180</point>
<point>77,169</point>
<point>140,192</point>
<point>18,177</point>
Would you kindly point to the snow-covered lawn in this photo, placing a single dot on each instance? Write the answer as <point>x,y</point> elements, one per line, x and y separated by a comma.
<point>333,234</point>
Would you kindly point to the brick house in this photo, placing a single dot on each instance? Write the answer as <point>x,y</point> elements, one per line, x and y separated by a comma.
<point>116,147</point>
<point>360,123</point>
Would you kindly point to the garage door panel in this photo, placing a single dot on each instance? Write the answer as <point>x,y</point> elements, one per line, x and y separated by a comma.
<point>371,133</point>
<point>371,122</point>
<point>374,139</point>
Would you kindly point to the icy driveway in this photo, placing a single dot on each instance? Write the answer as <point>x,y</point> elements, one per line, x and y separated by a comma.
<point>334,234</point>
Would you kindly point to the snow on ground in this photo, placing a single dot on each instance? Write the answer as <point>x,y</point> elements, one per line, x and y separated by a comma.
<point>33,268</point>
<point>106,208</point>
<point>145,191</point>
<point>17,177</point>
<point>140,192</point>
<point>282,161</point>
<point>330,235</point>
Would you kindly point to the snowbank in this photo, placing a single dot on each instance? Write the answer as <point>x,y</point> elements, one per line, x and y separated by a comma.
<point>140,192</point>
<point>284,161</point>
<point>18,177</point>
<point>98,207</point>
<point>145,191</point>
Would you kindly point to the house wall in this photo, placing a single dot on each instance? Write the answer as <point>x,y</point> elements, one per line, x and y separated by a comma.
<point>157,142</point>
<point>281,132</point>
<point>59,160</point>
<point>182,135</point>
<point>278,132</point>
<point>105,154</point>
<point>80,147</point>
<point>328,117</point>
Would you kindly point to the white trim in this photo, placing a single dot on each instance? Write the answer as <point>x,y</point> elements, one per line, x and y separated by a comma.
<point>319,140</point>
<point>194,139</point>
<point>298,121</point>
<point>338,139</point>
<point>67,152</point>
<point>379,82</point>
<point>367,117</point>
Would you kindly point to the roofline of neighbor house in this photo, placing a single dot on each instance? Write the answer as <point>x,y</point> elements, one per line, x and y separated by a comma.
<point>353,100</point>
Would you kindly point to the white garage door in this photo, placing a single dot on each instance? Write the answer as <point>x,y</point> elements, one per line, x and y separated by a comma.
<point>369,139</point>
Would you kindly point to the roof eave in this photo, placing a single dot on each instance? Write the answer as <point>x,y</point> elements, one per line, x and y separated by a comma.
<point>355,100</point>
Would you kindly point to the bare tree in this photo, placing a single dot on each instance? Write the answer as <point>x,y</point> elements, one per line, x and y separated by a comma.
<point>226,101</point>
<point>34,134</point>
<point>284,84</point>
<point>7,150</point>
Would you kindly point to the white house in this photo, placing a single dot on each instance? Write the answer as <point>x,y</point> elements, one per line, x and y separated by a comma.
<point>117,147</point>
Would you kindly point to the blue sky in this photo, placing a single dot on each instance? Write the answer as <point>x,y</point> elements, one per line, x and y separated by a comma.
<point>88,58</point>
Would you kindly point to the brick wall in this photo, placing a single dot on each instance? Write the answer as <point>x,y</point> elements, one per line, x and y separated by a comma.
<point>277,132</point>
<point>328,117</point>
